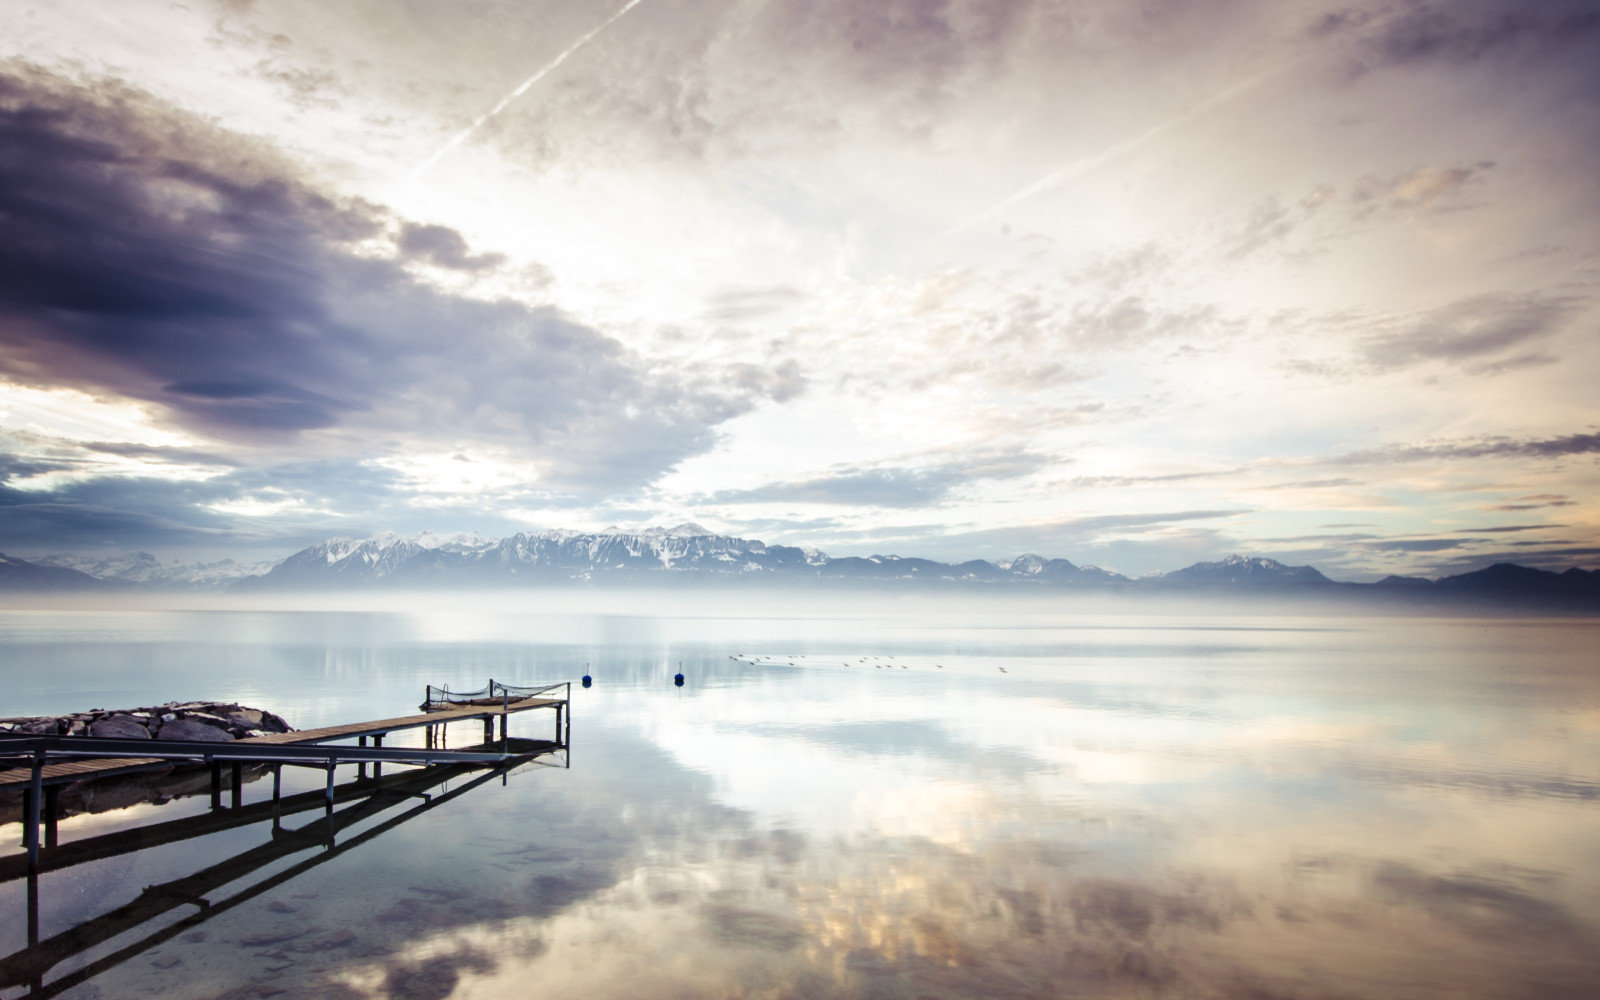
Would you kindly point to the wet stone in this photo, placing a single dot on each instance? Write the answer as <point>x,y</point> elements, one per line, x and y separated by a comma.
<point>120,727</point>
<point>192,728</point>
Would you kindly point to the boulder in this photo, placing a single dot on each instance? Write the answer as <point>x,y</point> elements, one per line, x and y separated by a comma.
<point>192,728</point>
<point>119,727</point>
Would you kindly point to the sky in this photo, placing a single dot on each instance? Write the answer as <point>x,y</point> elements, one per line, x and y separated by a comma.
<point>1134,285</point>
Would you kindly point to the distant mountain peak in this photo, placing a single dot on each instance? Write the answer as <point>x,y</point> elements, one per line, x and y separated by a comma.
<point>1239,569</point>
<point>687,529</point>
<point>460,539</point>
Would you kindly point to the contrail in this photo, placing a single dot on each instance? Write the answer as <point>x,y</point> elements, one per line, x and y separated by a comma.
<point>1077,168</point>
<point>523,89</point>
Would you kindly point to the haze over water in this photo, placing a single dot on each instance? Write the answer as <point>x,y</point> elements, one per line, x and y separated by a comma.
<point>890,798</point>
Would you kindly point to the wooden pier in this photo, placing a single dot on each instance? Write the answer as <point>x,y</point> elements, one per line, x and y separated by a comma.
<point>48,762</point>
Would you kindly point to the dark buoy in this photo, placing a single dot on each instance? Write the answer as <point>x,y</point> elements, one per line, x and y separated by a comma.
<point>588,681</point>
<point>677,678</point>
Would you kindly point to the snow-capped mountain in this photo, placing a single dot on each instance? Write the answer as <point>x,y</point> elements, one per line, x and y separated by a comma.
<point>1237,570</point>
<point>1030,566</point>
<point>688,553</point>
<point>528,556</point>
<point>681,551</point>
<point>145,570</point>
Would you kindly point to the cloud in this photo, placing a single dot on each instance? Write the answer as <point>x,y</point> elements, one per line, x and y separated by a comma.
<point>1509,527</point>
<point>1534,501</point>
<point>442,246</point>
<point>731,305</point>
<point>1468,330</point>
<point>895,45</point>
<point>891,486</point>
<point>155,256</point>
<point>1458,32</point>
<point>1499,447</point>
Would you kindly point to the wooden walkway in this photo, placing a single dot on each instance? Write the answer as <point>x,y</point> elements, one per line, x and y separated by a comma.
<point>66,772</point>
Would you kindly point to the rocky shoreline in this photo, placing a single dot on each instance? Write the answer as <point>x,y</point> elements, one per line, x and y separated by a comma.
<point>204,721</point>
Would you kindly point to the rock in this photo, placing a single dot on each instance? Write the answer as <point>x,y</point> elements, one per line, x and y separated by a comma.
<point>166,961</point>
<point>41,727</point>
<point>119,727</point>
<point>192,728</point>
<point>279,906</point>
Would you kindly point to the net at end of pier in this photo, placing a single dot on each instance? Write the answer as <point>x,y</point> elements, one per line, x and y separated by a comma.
<point>439,698</point>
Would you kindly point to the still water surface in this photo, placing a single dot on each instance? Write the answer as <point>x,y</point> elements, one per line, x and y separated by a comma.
<point>898,801</point>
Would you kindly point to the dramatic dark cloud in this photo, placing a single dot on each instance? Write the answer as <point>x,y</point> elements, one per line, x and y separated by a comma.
<point>1464,32</point>
<point>442,247</point>
<point>156,257</point>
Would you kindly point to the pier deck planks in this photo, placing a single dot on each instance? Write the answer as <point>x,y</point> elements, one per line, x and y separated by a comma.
<point>67,772</point>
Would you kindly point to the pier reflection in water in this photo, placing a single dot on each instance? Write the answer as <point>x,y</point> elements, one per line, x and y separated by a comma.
<point>372,806</point>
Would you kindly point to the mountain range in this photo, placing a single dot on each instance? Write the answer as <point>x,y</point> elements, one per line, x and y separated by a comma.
<point>688,554</point>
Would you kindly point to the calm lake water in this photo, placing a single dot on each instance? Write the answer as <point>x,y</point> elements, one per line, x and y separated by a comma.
<point>917,799</point>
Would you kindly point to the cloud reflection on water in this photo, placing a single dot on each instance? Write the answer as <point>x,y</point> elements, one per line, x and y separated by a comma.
<point>1388,810</point>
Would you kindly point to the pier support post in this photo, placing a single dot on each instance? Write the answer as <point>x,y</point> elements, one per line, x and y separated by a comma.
<point>488,729</point>
<point>377,766</point>
<point>238,784</point>
<point>327,802</point>
<point>216,784</point>
<point>361,768</point>
<point>30,810</point>
<point>277,797</point>
<point>558,724</point>
<point>52,796</point>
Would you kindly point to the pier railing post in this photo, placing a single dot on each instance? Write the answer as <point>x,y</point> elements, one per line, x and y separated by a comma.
<point>328,797</point>
<point>237,799</point>
<point>216,782</point>
<point>52,803</point>
<point>277,796</point>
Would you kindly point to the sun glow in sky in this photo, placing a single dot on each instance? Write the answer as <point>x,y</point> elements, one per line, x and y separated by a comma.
<point>1132,285</point>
